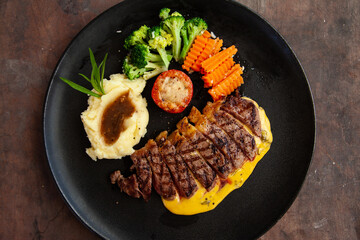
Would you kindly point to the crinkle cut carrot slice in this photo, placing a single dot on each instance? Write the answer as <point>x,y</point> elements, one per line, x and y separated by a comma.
<point>228,85</point>
<point>204,54</point>
<point>218,74</point>
<point>213,62</point>
<point>217,47</point>
<point>195,51</point>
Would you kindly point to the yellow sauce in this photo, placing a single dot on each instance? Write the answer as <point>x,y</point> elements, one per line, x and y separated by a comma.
<point>202,200</point>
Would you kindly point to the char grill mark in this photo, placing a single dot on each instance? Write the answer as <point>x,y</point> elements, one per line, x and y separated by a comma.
<point>143,172</point>
<point>233,128</point>
<point>245,111</point>
<point>183,180</point>
<point>138,184</point>
<point>198,166</point>
<point>162,181</point>
<point>206,148</point>
<point>129,185</point>
<point>219,137</point>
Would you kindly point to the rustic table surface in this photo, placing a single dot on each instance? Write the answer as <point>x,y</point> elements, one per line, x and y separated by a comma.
<point>324,34</point>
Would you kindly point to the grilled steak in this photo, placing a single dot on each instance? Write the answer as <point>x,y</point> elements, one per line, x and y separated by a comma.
<point>162,181</point>
<point>232,127</point>
<point>219,137</point>
<point>128,185</point>
<point>198,166</point>
<point>115,176</point>
<point>206,148</point>
<point>143,172</point>
<point>215,146</point>
<point>183,180</point>
<point>245,111</point>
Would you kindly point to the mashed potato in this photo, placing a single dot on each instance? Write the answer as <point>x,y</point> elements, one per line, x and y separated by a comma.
<point>134,126</point>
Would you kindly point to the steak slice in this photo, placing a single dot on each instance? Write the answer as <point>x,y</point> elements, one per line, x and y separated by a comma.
<point>198,166</point>
<point>143,172</point>
<point>129,185</point>
<point>162,181</point>
<point>219,137</point>
<point>183,179</point>
<point>232,127</point>
<point>206,148</point>
<point>245,111</point>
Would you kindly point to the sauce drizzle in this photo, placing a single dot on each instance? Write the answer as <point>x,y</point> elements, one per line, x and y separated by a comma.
<point>112,122</point>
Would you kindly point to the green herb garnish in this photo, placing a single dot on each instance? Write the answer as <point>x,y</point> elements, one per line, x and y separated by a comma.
<point>96,79</point>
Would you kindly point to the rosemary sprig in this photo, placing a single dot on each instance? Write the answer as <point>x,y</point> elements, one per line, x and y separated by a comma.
<point>96,78</point>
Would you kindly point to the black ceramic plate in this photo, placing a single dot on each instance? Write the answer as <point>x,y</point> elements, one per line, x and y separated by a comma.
<point>273,77</point>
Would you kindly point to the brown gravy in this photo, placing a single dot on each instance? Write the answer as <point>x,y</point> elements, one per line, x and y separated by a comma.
<point>112,123</point>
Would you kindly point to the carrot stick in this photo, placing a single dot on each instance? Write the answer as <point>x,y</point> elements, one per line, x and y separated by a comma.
<point>218,74</point>
<point>223,90</point>
<point>196,49</point>
<point>217,47</point>
<point>211,63</point>
<point>193,54</point>
<point>206,34</point>
<point>228,85</point>
<point>204,55</point>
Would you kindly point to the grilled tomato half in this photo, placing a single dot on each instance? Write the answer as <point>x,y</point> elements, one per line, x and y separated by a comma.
<point>172,91</point>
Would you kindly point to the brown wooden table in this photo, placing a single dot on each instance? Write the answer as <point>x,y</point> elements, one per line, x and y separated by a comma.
<point>324,34</point>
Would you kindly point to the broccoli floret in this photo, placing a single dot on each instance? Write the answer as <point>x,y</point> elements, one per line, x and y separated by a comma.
<point>136,37</point>
<point>131,71</point>
<point>189,31</point>
<point>154,71</point>
<point>159,40</point>
<point>148,71</point>
<point>164,13</point>
<point>140,56</point>
<point>173,25</point>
